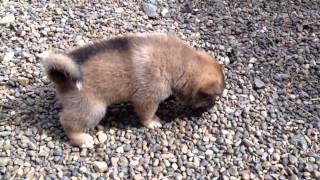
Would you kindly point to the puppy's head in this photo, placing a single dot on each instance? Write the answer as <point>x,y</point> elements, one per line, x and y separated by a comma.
<point>208,82</point>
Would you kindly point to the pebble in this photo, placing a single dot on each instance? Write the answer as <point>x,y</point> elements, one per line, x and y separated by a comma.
<point>275,158</point>
<point>256,130</point>
<point>7,19</point>
<point>4,161</point>
<point>123,161</point>
<point>114,161</point>
<point>8,56</point>
<point>57,152</point>
<point>138,177</point>
<point>155,162</point>
<point>150,10</point>
<point>120,150</point>
<point>309,167</point>
<point>164,12</point>
<point>19,172</point>
<point>102,137</point>
<point>184,149</point>
<point>174,166</point>
<point>233,171</point>
<point>100,166</point>
<point>118,10</point>
<point>44,151</point>
<point>83,169</point>
<point>5,133</point>
<point>293,159</point>
<point>258,83</point>
<point>245,174</point>
<point>23,81</point>
<point>293,177</point>
<point>248,143</point>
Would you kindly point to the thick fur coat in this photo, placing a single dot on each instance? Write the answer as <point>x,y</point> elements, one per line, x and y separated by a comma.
<point>142,69</point>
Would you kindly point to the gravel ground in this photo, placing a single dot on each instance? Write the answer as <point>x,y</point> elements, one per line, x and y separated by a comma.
<point>266,126</point>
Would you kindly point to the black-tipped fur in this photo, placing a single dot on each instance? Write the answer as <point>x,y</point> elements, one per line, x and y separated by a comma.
<point>82,54</point>
<point>63,71</point>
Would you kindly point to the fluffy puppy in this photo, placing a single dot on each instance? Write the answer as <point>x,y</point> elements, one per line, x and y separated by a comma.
<point>141,69</point>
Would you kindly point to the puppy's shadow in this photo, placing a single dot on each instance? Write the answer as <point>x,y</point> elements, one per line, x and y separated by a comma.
<point>38,111</point>
<point>123,116</point>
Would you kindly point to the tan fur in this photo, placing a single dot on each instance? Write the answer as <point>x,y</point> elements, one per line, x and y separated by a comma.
<point>145,71</point>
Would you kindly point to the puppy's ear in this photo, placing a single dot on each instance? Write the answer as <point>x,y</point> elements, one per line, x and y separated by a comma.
<point>204,56</point>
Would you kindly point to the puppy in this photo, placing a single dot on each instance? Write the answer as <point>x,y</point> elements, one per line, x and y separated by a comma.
<point>142,69</point>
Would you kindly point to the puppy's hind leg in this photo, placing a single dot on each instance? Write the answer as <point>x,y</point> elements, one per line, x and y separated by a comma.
<point>77,118</point>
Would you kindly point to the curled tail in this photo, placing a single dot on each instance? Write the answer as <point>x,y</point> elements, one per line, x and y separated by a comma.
<point>63,72</point>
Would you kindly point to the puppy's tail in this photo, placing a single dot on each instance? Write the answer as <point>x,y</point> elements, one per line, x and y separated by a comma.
<point>63,71</point>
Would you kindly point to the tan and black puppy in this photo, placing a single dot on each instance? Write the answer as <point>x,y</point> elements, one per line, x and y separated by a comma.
<point>142,69</point>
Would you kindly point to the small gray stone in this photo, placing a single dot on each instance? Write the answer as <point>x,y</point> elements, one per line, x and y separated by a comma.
<point>44,151</point>
<point>264,125</point>
<point>50,144</point>
<point>102,137</point>
<point>120,150</point>
<point>184,148</point>
<point>189,172</point>
<point>248,143</point>
<point>155,162</point>
<point>5,133</point>
<point>209,152</point>
<point>293,177</point>
<point>114,161</point>
<point>275,157</point>
<point>150,10</point>
<point>118,10</point>
<point>123,161</point>
<point>306,174</point>
<point>100,166</point>
<point>57,152</point>
<point>83,169</point>
<point>9,18</point>
<point>245,174</point>
<point>174,166</point>
<point>127,148</point>
<point>4,161</point>
<point>299,140</point>
<point>309,167</point>
<point>164,12</point>
<point>233,171</point>
<point>32,145</point>
<point>293,159</point>
<point>268,177</point>
<point>8,56</point>
<point>258,83</point>
<point>138,177</point>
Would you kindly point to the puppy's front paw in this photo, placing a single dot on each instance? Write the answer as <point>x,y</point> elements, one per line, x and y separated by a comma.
<point>153,123</point>
<point>82,140</point>
<point>89,142</point>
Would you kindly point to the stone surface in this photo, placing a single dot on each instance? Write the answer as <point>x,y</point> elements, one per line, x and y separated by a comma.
<point>150,10</point>
<point>100,166</point>
<point>258,83</point>
<point>8,56</point>
<point>7,19</point>
<point>23,81</point>
<point>265,125</point>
